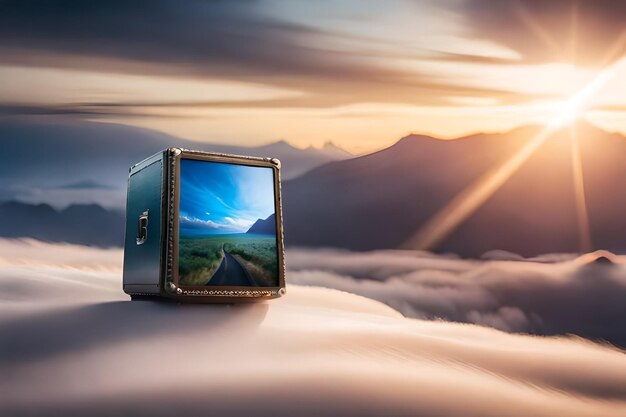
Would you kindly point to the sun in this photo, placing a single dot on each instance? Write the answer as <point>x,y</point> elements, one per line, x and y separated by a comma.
<point>470,199</point>
<point>464,204</point>
<point>575,106</point>
<point>567,112</point>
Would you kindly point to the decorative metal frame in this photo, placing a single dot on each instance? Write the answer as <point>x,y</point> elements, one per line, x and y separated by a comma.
<point>171,205</point>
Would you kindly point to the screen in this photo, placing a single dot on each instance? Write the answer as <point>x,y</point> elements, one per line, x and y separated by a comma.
<point>227,225</point>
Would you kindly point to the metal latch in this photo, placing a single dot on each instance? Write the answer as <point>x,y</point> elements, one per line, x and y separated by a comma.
<point>142,228</point>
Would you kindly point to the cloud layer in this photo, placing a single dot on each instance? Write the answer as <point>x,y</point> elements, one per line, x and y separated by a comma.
<point>85,349</point>
<point>218,39</point>
<point>322,65</point>
<point>546,296</point>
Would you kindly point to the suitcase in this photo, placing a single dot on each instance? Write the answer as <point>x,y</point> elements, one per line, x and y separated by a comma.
<point>204,227</point>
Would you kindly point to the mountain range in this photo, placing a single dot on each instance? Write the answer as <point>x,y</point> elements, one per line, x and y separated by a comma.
<point>382,199</point>
<point>85,224</point>
<point>63,162</point>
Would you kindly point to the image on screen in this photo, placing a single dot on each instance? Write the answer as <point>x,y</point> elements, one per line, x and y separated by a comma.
<point>227,225</point>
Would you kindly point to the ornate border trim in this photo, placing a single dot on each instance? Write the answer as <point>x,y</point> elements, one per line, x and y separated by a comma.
<point>234,293</point>
<point>172,156</point>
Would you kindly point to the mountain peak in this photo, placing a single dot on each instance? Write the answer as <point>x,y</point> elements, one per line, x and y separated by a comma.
<point>89,208</point>
<point>582,126</point>
<point>274,147</point>
<point>331,149</point>
<point>22,206</point>
<point>330,145</point>
<point>282,143</point>
<point>264,226</point>
<point>414,138</point>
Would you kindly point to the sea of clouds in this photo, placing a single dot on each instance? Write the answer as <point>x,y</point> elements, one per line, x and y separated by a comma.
<point>72,344</point>
<point>555,294</point>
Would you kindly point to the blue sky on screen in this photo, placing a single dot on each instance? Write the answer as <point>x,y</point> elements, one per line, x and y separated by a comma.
<point>220,198</point>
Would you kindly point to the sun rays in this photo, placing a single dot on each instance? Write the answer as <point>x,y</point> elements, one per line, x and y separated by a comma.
<point>468,201</point>
<point>461,207</point>
<point>582,214</point>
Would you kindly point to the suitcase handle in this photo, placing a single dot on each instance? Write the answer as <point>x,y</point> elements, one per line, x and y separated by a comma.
<point>142,228</point>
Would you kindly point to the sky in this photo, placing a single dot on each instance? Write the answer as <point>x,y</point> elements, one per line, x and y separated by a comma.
<point>220,198</point>
<point>358,73</point>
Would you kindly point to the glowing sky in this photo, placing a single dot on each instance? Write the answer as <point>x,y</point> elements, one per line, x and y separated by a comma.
<point>358,73</point>
<point>219,198</point>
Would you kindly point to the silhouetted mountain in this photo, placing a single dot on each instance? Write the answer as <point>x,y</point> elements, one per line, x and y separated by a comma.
<point>40,158</point>
<point>333,151</point>
<point>380,200</point>
<point>81,224</point>
<point>294,161</point>
<point>264,227</point>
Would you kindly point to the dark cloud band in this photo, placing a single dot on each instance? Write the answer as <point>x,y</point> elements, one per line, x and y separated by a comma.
<point>236,40</point>
<point>584,32</point>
